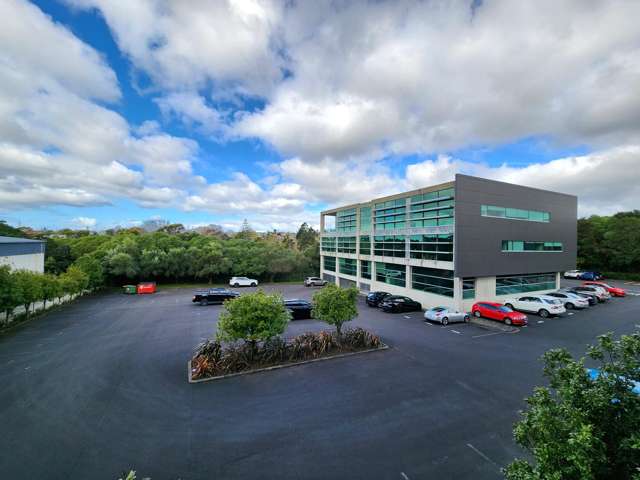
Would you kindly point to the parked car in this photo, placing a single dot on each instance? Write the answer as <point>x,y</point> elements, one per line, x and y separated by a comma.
<point>374,298</point>
<point>243,282</point>
<point>299,309</point>
<point>614,291</point>
<point>314,282</point>
<point>445,315</point>
<point>591,297</point>
<point>146,287</point>
<point>571,300</point>
<point>398,303</point>
<point>213,295</point>
<point>575,274</point>
<point>590,276</point>
<point>497,311</point>
<point>543,305</point>
<point>601,294</point>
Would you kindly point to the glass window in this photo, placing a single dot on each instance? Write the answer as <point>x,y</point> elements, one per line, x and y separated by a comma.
<point>365,219</point>
<point>514,213</point>
<point>347,244</point>
<point>432,247</point>
<point>348,266</point>
<point>389,245</point>
<point>328,244</point>
<point>390,215</point>
<point>509,284</point>
<point>391,273</point>
<point>468,288</point>
<point>527,246</point>
<point>329,263</point>
<point>365,245</point>
<point>346,220</point>
<point>432,280</point>
<point>365,269</point>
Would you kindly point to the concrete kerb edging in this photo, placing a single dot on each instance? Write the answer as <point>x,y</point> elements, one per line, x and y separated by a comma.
<point>493,325</point>
<point>284,365</point>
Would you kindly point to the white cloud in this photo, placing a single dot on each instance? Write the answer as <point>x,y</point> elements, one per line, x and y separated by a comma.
<point>85,222</point>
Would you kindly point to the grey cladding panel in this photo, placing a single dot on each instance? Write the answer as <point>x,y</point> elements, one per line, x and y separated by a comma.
<point>478,239</point>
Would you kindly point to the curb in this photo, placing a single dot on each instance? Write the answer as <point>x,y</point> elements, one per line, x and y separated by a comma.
<point>493,325</point>
<point>283,365</point>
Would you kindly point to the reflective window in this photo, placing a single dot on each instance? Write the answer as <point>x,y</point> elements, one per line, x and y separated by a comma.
<point>514,213</point>
<point>432,280</point>
<point>391,273</point>
<point>508,284</point>
<point>348,266</point>
<point>347,244</point>
<point>365,219</point>
<point>329,263</point>
<point>432,247</point>
<point>346,220</point>
<point>328,244</point>
<point>389,245</point>
<point>468,288</point>
<point>365,269</point>
<point>527,246</point>
<point>365,245</point>
<point>390,215</point>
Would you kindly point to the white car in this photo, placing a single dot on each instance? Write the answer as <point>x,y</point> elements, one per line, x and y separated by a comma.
<point>575,274</point>
<point>543,305</point>
<point>571,300</point>
<point>243,282</point>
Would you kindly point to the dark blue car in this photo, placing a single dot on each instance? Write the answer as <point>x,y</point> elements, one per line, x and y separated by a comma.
<point>590,276</point>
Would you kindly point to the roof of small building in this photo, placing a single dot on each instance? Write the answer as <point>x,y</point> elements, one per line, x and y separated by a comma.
<point>18,240</point>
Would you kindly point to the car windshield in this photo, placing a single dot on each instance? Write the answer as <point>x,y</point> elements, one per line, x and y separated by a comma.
<point>551,301</point>
<point>438,309</point>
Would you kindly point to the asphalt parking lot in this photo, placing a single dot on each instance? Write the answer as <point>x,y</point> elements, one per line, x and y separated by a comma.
<point>99,386</point>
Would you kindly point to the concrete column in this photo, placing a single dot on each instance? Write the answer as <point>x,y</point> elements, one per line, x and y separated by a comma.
<point>457,292</point>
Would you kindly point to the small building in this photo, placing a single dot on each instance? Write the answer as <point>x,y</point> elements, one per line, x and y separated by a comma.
<point>454,243</point>
<point>22,253</point>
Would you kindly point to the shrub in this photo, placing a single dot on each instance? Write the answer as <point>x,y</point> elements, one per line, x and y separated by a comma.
<point>253,317</point>
<point>335,305</point>
<point>579,427</point>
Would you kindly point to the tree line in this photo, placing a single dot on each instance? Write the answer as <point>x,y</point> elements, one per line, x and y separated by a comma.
<point>610,244</point>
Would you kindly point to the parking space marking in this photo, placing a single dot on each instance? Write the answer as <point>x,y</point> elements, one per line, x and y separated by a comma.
<point>428,323</point>
<point>540,321</point>
<point>455,331</point>
<point>407,316</point>
<point>571,313</point>
<point>404,475</point>
<point>483,455</point>
<point>488,334</point>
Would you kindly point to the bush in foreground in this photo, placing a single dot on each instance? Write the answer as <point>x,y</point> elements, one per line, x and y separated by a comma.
<point>583,428</point>
<point>212,359</point>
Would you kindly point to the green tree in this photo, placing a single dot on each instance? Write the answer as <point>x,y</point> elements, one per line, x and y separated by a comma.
<point>92,268</point>
<point>51,288</point>
<point>10,296</point>
<point>121,264</point>
<point>581,428</point>
<point>253,317</point>
<point>73,280</point>
<point>335,305</point>
<point>29,286</point>
<point>306,236</point>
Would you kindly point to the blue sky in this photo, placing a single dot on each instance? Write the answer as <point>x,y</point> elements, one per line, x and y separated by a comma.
<point>212,112</point>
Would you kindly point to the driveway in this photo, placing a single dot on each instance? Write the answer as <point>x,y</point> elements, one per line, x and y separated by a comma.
<point>97,387</point>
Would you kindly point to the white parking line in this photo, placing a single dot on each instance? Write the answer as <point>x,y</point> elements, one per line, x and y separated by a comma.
<point>455,331</point>
<point>428,323</point>
<point>488,334</point>
<point>482,455</point>
<point>404,475</point>
<point>571,313</point>
<point>540,321</point>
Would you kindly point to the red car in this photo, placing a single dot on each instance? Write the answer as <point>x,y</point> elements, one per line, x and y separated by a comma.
<point>497,311</point>
<point>614,291</point>
<point>146,287</point>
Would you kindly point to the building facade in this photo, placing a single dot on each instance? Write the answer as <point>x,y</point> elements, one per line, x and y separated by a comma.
<point>22,253</point>
<point>452,244</point>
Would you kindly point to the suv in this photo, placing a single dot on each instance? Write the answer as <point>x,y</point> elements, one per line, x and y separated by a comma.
<point>314,282</point>
<point>213,295</point>
<point>600,292</point>
<point>575,274</point>
<point>243,282</point>
<point>543,305</point>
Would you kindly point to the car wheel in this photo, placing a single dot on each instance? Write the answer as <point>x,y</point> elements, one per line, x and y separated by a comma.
<point>236,284</point>
<point>477,314</point>
<point>569,306</point>
<point>203,302</point>
<point>507,321</point>
<point>253,284</point>
<point>467,319</point>
<point>508,305</point>
<point>445,321</point>
<point>543,313</point>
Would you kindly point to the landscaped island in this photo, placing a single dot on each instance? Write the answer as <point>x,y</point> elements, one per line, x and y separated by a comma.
<point>249,335</point>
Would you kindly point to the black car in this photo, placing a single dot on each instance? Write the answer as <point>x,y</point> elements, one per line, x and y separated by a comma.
<point>300,309</point>
<point>213,295</point>
<point>398,303</point>
<point>374,298</point>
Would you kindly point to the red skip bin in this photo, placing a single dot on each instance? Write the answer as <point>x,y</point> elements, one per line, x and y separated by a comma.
<point>146,287</point>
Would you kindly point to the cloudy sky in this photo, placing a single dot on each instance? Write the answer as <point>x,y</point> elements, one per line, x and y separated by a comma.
<point>214,111</point>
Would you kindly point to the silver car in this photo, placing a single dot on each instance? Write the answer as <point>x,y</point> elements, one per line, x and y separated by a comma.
<point>571,300</point>
<point>444,315</point>
<point>314,282</point>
